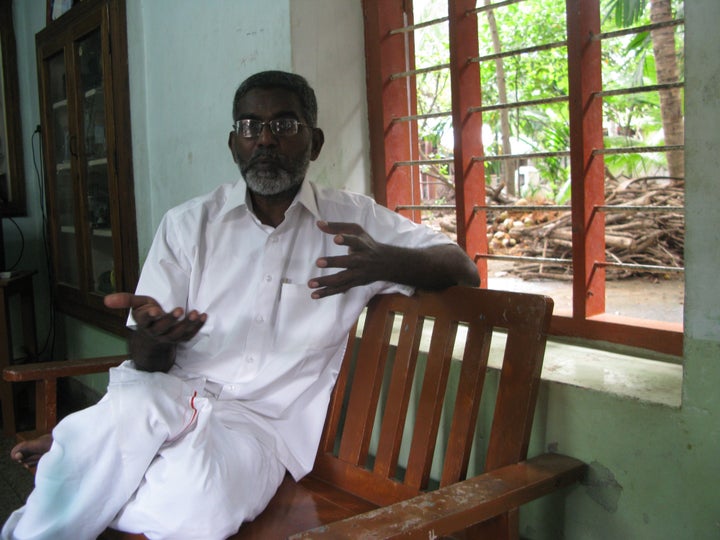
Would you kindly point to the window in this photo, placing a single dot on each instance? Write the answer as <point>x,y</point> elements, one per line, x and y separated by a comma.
<point>547,141</point>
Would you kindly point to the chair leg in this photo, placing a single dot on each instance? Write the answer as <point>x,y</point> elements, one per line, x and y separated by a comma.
<point>45,405</point>
<point>505,527</point>
<point>8,408</point>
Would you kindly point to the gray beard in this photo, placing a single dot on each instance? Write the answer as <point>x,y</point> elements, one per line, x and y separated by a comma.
<point>285,176</point>
<point>271,183</point>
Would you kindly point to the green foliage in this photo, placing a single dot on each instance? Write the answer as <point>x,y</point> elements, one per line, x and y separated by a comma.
<point>627,62</point>
<point>625,12</point>
<point>631,165</point>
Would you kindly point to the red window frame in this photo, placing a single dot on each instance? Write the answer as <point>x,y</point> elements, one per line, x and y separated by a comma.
<point>395,180</point>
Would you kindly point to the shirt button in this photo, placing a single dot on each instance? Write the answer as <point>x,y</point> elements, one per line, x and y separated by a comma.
<point>250,359</point>
<point>259,319</point>
<point>268,278</point>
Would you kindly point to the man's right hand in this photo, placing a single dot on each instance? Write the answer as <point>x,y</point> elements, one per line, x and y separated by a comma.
<point>157,332</point>
<point>151,320</point>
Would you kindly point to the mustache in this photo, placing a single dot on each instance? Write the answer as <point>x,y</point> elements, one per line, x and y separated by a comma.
<point>265,154</point>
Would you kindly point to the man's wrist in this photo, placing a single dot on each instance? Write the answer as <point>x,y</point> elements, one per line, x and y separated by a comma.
<point>151,355</point>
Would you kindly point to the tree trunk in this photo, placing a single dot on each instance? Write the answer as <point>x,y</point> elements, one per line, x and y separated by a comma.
<point>663,41</point>
<point>508,171</point>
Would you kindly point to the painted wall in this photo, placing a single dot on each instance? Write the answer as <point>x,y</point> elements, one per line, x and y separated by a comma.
<point>654,469</point>
<point>187,58</point>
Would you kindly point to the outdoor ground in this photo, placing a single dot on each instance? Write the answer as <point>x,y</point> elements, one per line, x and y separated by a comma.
<point>655,298</point>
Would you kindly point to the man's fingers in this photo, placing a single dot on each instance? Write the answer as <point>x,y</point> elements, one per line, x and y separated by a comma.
<point>328,291</point>
<point>185,329</point>
<point>340,261</point>
<point>170,329</point>
<point>124,300</point>
<point>339,227</point>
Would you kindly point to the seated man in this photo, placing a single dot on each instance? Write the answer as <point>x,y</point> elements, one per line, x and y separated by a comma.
<point>240,321</point>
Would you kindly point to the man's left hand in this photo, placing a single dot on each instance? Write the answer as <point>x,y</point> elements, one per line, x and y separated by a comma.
<point>362,265</point>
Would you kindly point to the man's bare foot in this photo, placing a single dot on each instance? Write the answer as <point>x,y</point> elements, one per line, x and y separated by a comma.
<point>28,453</point>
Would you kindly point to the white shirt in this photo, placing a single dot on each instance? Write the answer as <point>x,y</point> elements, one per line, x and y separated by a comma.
<point>267,345</point>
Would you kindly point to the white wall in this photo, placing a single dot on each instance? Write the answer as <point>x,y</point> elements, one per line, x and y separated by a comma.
<point>328,47</point>
<point>186,59</point>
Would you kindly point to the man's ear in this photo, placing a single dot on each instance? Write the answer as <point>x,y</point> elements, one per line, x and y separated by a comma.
<point>231,145</point>
<point>318,138</point>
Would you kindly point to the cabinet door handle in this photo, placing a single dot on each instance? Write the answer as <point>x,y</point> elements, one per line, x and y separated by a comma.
<point>73,146</point>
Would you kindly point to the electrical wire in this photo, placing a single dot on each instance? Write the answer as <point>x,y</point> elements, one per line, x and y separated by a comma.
<point>22,245</point>
<point>49,343</point>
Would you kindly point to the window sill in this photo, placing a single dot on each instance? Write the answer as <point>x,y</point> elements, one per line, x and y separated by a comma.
<point>625,376</point>
<point>621,375</point>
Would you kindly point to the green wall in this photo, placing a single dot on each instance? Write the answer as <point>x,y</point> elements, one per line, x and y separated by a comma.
<point>653,469</point>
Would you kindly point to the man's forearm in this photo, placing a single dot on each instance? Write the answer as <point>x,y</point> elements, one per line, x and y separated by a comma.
<point>431,268</point>
<point>148,354</point>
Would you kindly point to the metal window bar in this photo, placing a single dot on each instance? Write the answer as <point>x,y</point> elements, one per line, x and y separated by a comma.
<point>419,71</point>
<point>541,207</point>
<point>634,208</point>
<point>412,162</point>
<point>559,207</point>
<point>424,207</point>
<point>519,104</point>
<point>638,89</point>
<point>413,27</point>
<point>605,264</point>
<point>520,208</point>
<point>638,149</point>
<point>535,155</point>
<point>493,6</point>
<point>421,117</point>
<point>521,258</point>
<point>636,30</point>
<point>647,267</point>
<point>518,52</point>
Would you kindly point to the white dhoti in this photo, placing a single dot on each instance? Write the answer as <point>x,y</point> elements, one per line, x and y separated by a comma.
<point>154,456</point>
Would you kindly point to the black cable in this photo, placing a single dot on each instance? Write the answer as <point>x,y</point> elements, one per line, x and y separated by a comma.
<point>40,175</point>
<point>22,245</point>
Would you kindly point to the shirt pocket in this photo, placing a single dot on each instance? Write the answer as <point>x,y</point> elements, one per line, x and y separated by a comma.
<point>304,323</point>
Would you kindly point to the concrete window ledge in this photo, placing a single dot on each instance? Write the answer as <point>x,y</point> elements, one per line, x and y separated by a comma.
<point>626,376</point>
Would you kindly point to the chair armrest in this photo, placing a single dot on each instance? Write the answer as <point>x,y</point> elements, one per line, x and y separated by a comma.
<point>458,506</point>
<point>45,375</point>
<point>63,368</point>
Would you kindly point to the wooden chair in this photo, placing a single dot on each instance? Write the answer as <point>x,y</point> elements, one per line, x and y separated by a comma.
<point>372,476</point>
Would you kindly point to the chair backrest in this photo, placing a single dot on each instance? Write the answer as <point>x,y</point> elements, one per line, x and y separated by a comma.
<point>372,397</point>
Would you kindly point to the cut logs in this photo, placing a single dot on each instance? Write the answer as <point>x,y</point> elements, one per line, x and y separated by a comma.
<point>644,225</point>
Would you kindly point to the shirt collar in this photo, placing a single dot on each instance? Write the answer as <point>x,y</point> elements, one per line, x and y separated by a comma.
<point>238,197</point>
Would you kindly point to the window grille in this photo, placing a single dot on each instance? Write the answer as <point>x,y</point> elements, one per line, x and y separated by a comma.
<point>456,181</point>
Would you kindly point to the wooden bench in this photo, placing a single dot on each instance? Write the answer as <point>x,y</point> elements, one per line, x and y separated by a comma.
<point>372,477</point>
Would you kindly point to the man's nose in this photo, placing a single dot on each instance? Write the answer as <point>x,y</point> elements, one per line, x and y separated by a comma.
<point>266,137</point>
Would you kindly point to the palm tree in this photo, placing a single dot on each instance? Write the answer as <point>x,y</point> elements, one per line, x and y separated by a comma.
<point>628,12</point>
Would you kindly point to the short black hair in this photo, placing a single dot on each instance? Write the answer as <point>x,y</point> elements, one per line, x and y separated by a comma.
<point>280,79</point>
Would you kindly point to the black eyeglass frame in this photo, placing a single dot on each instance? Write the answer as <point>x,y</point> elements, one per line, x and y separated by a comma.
<point>255,127</point>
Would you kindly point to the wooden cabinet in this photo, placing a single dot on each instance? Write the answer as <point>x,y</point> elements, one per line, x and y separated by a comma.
<point>82,72</point>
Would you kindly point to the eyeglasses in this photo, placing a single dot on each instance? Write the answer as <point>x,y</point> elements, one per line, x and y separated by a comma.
<point>280,127</point>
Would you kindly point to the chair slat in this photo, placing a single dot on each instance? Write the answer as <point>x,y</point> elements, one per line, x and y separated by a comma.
<point>519,381</point>
<point>432,397</point>
<point>401,383</point>
<point>369,371</point>
<point>337,398</point>
<point>467,402</point>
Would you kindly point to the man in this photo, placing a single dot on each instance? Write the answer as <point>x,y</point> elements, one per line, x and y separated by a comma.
<point>241,315</point>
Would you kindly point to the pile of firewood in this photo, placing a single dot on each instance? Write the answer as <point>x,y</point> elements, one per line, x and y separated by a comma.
<point>636,236</point>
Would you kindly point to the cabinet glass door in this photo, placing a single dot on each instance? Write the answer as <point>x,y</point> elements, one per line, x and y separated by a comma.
<point>85,109</point>
<point>96,194</point>
<point>64,146</point>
